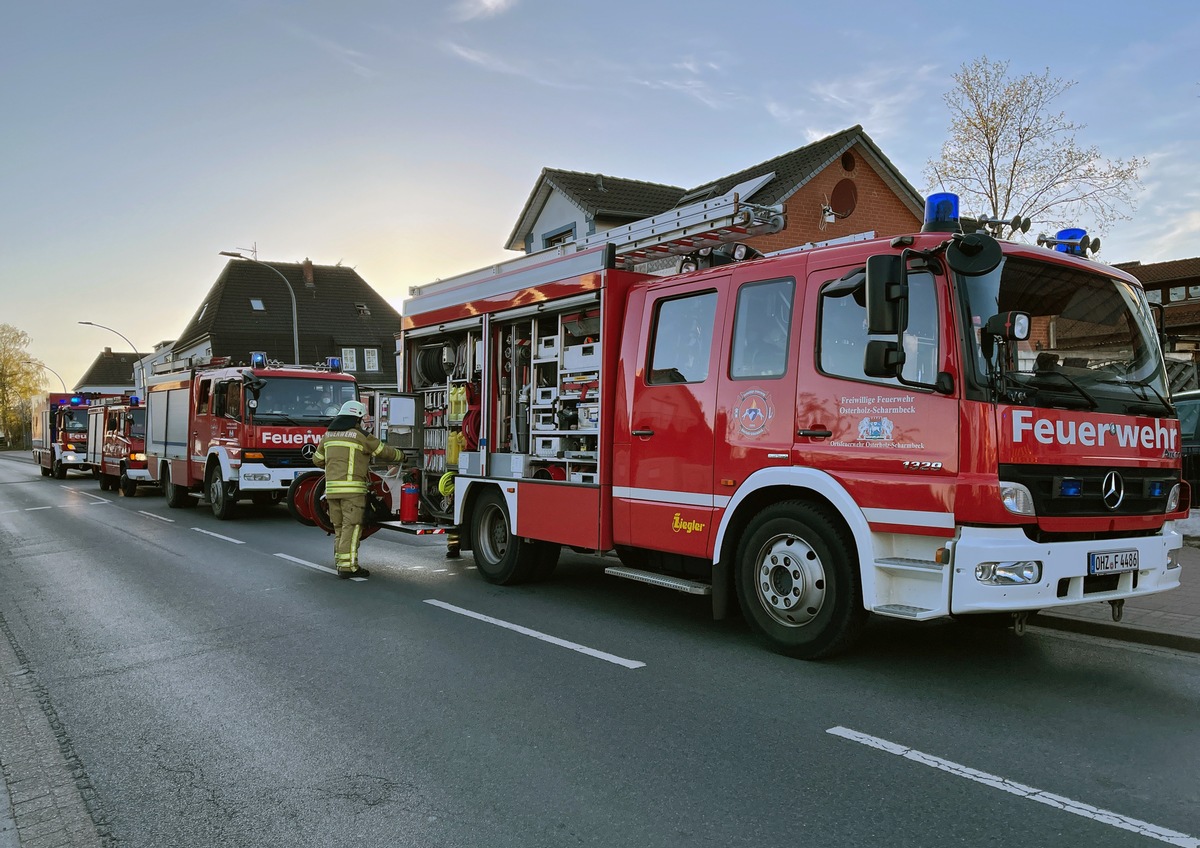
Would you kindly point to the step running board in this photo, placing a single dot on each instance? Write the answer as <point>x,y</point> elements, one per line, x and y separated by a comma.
<point>904,611</point>
<point>908,564</point>
<point>679,584</point>
<point>414,527</point>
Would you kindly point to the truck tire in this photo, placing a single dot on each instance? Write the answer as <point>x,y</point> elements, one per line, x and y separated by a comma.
<point>128,487</point>
<point>501,557</point>
<point>177,496</point>
<point>106,483</point>
<point>60,470</point>
<point>223,503</point>
<point>45,471</point>
<point>798,582</point>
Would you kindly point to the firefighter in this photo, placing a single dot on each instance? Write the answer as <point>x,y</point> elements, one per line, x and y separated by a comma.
<point>345,452</point>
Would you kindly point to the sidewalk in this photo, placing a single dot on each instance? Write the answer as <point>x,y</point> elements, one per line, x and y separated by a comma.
<point>1168,619</point>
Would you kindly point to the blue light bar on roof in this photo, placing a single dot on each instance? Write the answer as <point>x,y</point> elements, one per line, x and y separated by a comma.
<point>941,213</point>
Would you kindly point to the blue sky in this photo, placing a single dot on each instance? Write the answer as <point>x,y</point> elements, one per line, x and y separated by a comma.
<point>402,138</point>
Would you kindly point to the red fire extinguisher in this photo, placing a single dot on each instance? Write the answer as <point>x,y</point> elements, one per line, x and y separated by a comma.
<point>408,502</point>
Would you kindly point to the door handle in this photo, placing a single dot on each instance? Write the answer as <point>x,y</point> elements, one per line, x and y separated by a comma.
<point>815,434</point>
<point>642,432</point>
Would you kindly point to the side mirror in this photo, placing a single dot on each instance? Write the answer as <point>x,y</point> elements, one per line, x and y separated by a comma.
<point>886,294</point>
<point>974,255</point>
<point>883,359</point>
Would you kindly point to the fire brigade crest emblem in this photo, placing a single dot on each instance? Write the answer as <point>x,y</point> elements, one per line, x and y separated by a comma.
<point>753,412</point>
<point>877,429</point>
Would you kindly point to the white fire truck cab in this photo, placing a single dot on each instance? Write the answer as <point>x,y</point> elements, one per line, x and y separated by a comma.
<point>933,425</point>
<point>226,433</point>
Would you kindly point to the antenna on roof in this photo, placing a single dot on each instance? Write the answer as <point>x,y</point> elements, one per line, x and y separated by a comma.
<point>252,250</point>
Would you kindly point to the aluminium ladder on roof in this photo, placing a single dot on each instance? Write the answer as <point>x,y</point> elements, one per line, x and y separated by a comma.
<point>707,223</point>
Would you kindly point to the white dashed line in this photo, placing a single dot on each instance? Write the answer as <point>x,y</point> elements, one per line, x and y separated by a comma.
<point>314,565</point>
<point>36,508</point>
<point>98,499</point>
<point>1067,805</point>
<point>157,517</point>
<point>553,640</point>
<point>218,536</point>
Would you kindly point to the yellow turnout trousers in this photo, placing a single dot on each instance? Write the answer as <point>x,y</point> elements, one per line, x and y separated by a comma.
<point>346,514</point>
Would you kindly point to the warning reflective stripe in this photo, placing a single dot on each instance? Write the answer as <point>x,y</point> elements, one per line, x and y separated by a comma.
<point>341,487</point>
<point>344,443</point>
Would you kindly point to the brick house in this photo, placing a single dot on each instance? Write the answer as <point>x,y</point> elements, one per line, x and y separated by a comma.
<point>839,187</point>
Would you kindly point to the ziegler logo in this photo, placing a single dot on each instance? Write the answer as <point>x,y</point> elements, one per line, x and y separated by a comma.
<point>689,526</point>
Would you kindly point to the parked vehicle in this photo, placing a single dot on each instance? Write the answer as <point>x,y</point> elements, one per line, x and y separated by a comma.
<point>229,433</point>
<point>117,444</point>
<point>60,432</point>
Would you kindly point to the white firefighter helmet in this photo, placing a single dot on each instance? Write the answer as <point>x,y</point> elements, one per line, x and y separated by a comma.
<point>353,407</point>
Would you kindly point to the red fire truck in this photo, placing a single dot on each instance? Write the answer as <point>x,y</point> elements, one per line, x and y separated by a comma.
<point>228,432</point>
<point>938,424</point>
<point>60,432</point>
<point>116,445</point>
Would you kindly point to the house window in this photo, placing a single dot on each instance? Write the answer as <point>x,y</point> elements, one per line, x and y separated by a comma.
<point>560,236</point>
<point>370,359</point>
<point>1155,296</point>
<point>363,310</point>
<point>256,304</point>
<point>349,359</point>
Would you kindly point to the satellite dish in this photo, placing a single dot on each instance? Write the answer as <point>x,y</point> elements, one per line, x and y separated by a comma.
<point>974,254</point>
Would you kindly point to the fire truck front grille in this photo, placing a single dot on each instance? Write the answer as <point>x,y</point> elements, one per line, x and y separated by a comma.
<point>285,458</point>
<point>1072,491</point>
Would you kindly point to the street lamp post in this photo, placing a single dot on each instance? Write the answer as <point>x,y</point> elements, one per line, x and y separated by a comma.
<point>291,291</point>
<point>48,368</point>
<point>127,341</point>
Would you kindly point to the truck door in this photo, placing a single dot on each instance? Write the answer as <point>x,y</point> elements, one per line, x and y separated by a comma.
<point>757,397</point>
<point>666,488</point>
<point>893,447</point>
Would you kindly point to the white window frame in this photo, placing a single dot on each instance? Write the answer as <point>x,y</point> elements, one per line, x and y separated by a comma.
<point>349,359</point>
<point>370,359</point>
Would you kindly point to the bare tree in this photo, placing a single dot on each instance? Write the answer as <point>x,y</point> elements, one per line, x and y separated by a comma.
<point>1012,155</point>
<point>20,377</point>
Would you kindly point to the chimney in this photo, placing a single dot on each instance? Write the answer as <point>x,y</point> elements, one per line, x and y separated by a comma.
<point>306,267</point>
<point>108,352</point>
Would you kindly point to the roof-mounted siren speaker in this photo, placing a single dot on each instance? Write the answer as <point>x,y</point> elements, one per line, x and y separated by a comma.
<point>1074,241</point>
<point>258,359</point>
<point>941,213</point>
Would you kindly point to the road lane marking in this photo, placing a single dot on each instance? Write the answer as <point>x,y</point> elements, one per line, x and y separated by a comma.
<point>158,517</point>
<point>218,535</point>
<point>324,568</point>
<point>85,494</point>
<point>36,508</point>
<point>1162,834</point>
<point>553,640</point>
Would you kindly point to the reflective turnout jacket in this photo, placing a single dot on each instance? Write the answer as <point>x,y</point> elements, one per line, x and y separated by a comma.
<point>346,456</point>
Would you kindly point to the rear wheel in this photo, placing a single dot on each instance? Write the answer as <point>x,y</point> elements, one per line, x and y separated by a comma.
<point>223,502</point>
<point>45,471</point>
<point>177,496</point>
<point>106,482</point>
<point>798,582</point>
<point>501,557</point>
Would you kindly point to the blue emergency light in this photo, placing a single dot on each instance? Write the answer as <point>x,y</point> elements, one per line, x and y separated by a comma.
<point>258,359</point>
<point>134,400</point>
<point>1156,488</point>
<point>334,364</point>
<point>1073,234</point>
<point>941,213</point>
<point>76,400</point>
<point>1070,488</point>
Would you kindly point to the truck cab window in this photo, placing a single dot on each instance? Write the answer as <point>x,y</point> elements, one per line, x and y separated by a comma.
<point>844,333</point>
<point>682,339</point>
<point>227,400</point>
<point>202,397</point>
<point>762,328</point>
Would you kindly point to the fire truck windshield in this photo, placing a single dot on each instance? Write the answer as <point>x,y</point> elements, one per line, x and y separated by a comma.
<point>1092,344</point>
<point>302,399</point>
<point>74,420</point>
<point>137,423</point>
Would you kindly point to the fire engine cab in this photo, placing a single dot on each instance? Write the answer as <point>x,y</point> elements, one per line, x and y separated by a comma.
<point>227,432</point>
<point>937,424</point>
<point>60,432</point>
<point>116,445</point>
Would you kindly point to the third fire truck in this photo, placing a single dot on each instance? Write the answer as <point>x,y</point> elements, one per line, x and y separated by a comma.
<point>116,446</point>
<point>227,432</point>
<point>938,424</point>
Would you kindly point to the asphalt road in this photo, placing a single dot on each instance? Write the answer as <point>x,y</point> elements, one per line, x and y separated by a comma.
<point>218,691</point>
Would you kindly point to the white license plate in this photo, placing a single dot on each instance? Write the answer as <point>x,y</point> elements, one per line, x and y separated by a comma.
<point>1112,562</point>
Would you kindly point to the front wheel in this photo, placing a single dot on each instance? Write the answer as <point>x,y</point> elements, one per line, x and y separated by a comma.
<point>60,470</point>
<point>219,495</point>
<point>798,582</point>
<point>128,487</point>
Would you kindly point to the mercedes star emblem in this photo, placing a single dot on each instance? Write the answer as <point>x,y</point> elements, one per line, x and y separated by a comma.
<point>1113,490</point>
<point>308,450</point>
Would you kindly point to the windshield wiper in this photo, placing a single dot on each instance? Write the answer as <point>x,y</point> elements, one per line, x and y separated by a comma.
<point>1082,391</point>
<point>286,418</point>
<point>1141,384</point>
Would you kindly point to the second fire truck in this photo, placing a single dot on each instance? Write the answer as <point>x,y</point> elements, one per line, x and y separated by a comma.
<point>939,424</point>
<point>116,445</point>
<point>226,433</point>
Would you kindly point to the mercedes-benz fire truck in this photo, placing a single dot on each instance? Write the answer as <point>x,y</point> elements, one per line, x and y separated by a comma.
<point>938,424</point>
<point>228,432</point>
<point>60,432</point>
<point>116,445</point>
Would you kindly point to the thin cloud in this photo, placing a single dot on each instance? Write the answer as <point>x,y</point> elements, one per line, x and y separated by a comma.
<point>467,10</point>
<point>352,59</point>
<point>495,64</point>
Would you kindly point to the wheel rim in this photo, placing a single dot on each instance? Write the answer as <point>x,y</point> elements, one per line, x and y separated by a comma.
<point>790,580</point>
<point>216,491</point>
<point>493,543</point>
